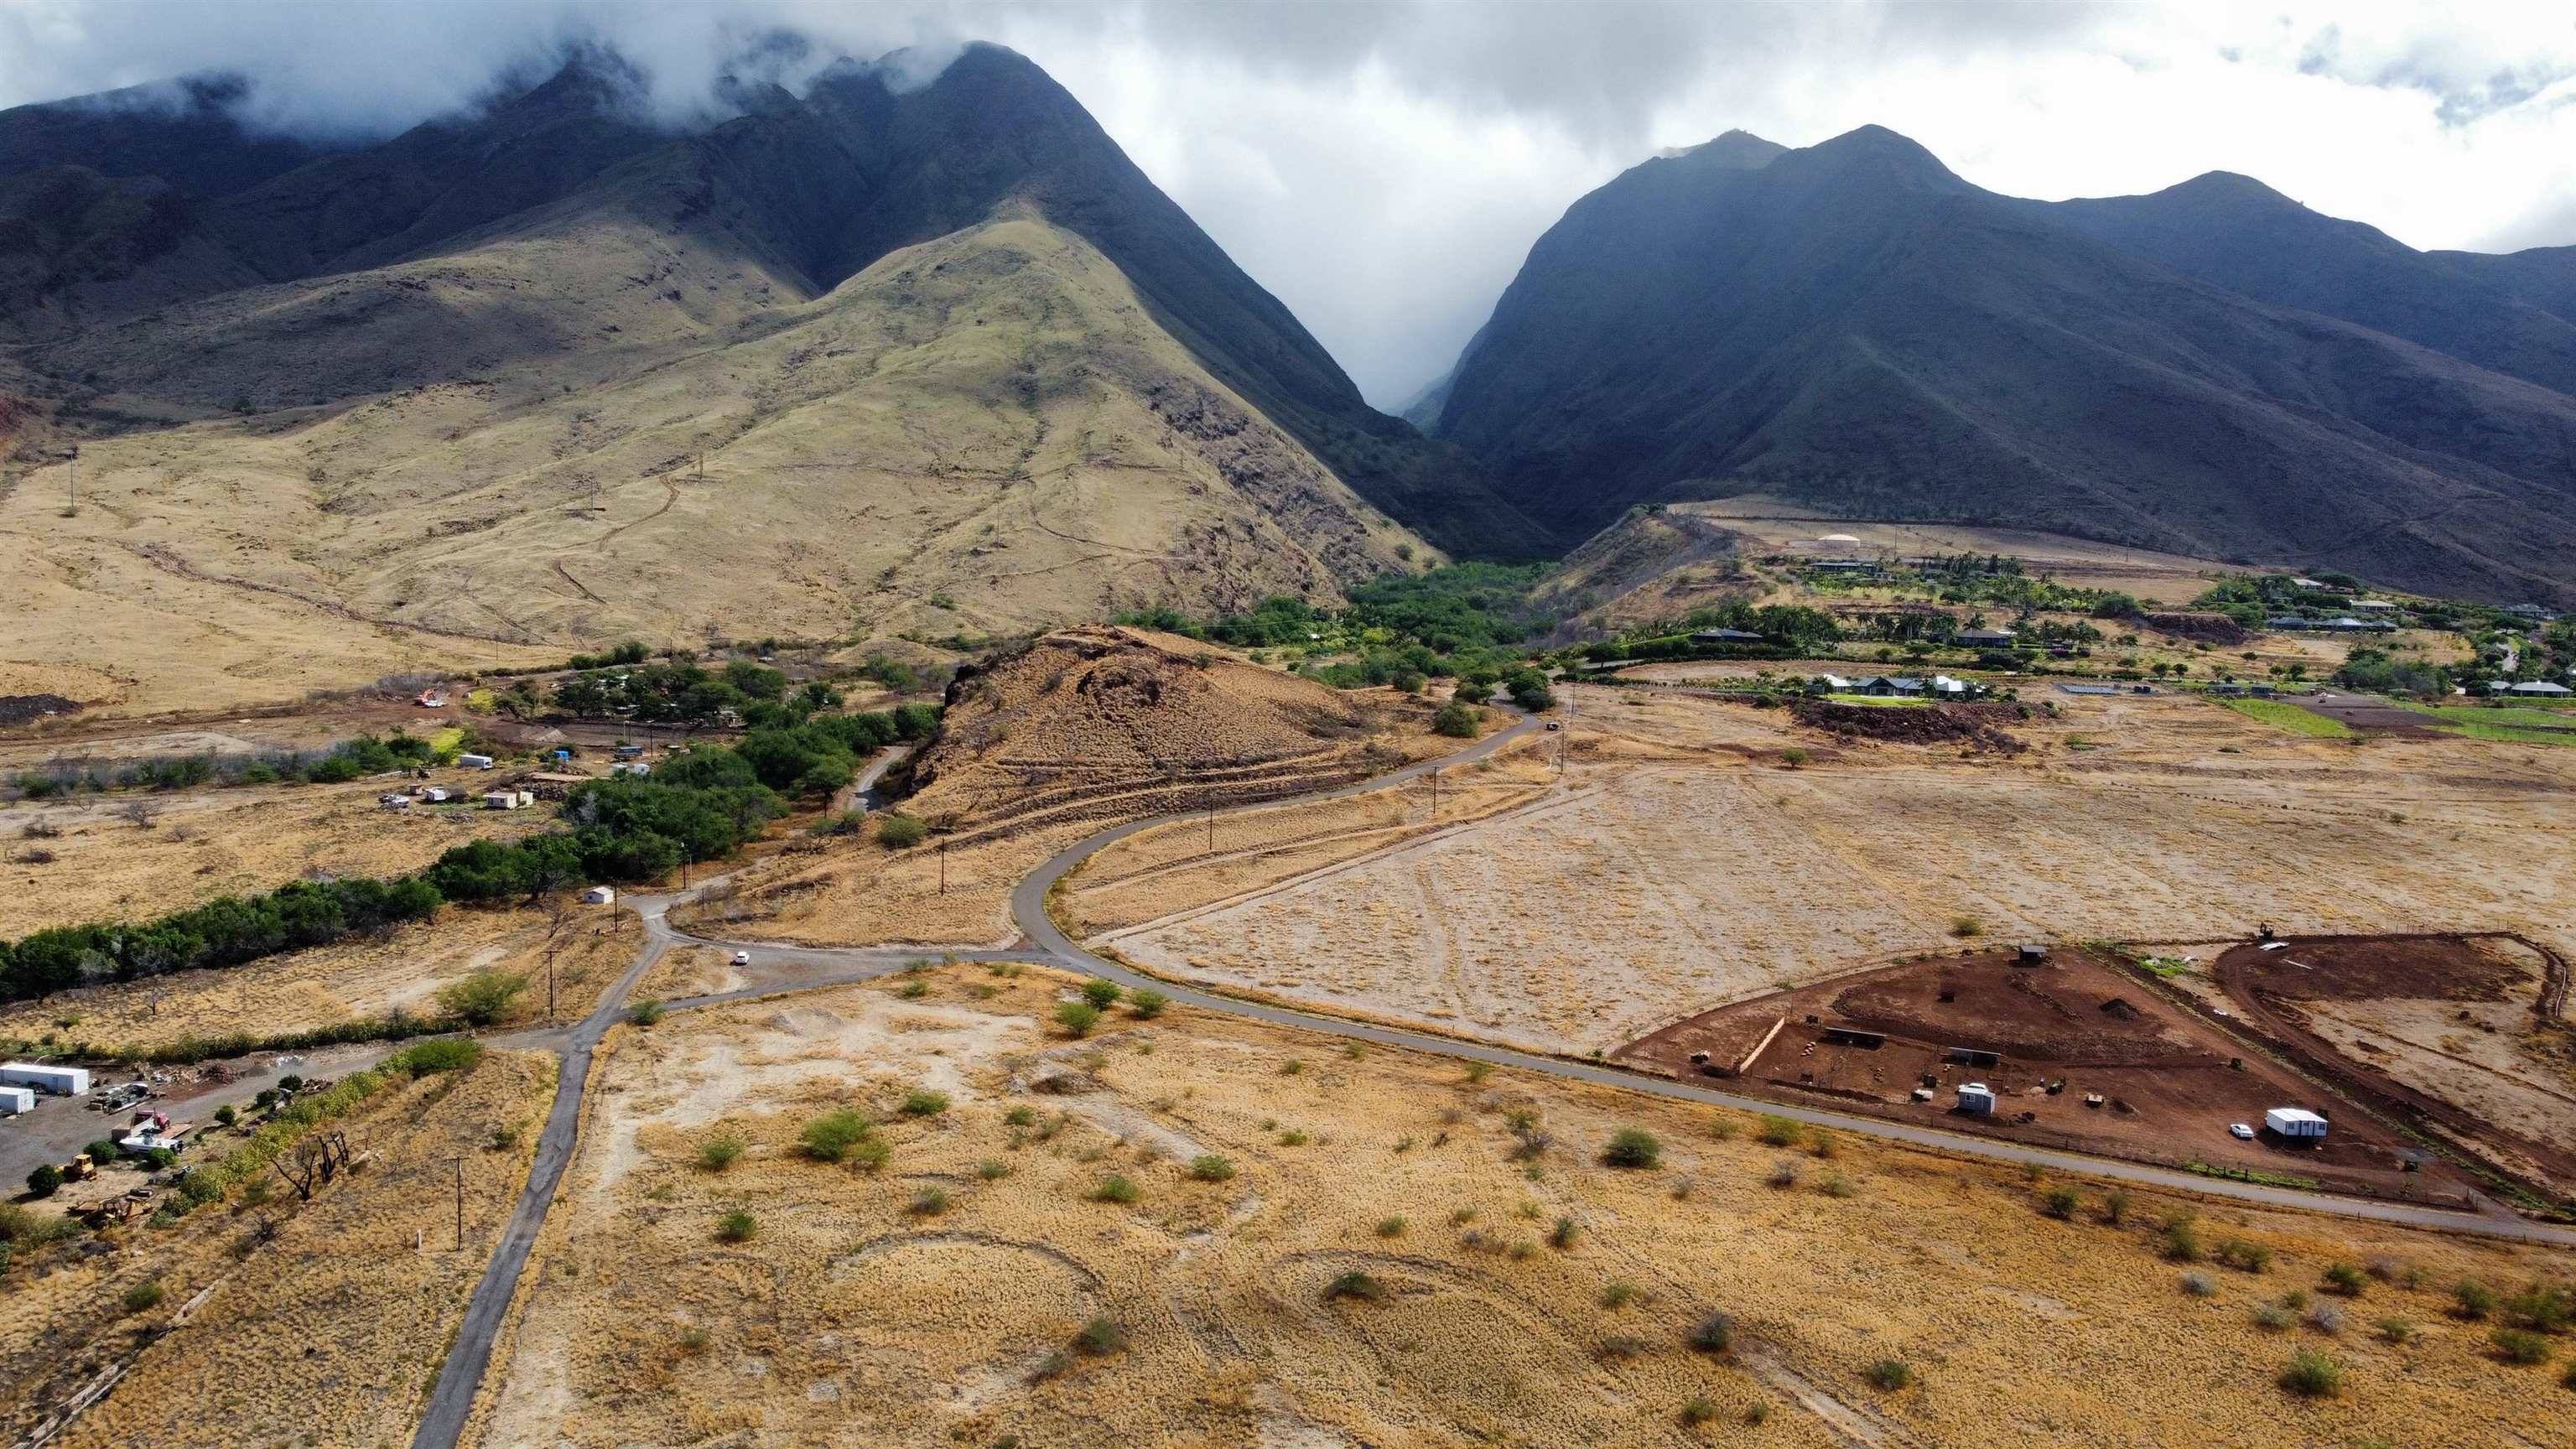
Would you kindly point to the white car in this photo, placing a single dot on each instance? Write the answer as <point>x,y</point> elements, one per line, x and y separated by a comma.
<point>742,958</point>
<point>2240,1131</point>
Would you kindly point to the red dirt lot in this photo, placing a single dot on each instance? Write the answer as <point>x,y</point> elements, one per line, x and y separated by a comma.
<point>2368,715</point>
<point>2279,993</point>
<point>2167,1089</point>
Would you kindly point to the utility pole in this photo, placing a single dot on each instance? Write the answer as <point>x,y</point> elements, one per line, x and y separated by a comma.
<point>1435,792</point>
<point>75,505</point>
<point>943,867</point>
<point>1211,838</point>
<point>460,1204</point>
<point>550,984</point>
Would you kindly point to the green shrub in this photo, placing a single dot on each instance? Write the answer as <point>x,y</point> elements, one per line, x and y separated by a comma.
<point>1355,1285</point>
<point>834,1135</point>
<point>647,1012</point>
<point>2345,1279</point>
<point>102,1152</point>
<point>719,1152</point>
<point>1390,1227</point>
<point>143,1295</point>
<point>2274,1317</point>
<point>2396,1329</point>
<point>2472,1299</point>
<point>483,997</point>
<point>1777,1131</point>
<point>1022,1115</point>
<point>2519,1345</point>
<point>2199,1284</point>
<point>1117,1189</point>
<point>1714,1333</point>
<point>2182,1241</point>
<point>2063,1201</point>
<point>2542,1307</point>
<point>439,1054</point>
<point>2243,1256</point>
<point>901,832</point>
<point>1633,1147</point>
<point>1458,720</point>
<point>1101,994</point>
<point>1696,1412</point>
<point>1890,1374</point>
<point>1077,1017</point>
<point>737,1226</point>
<point>1147,1003</point>
<point>1100,1337</point>
<point>1564,1234</point>
<point>1618,1293</point>
<point>930,1202</point>
<point>992,1169</point>
<point>2312,1375</point>
<point>226,1115</point>
<point>924,1102</point>
<point>1209,1167</point>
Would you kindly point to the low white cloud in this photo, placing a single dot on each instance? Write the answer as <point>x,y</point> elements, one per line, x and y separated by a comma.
<point>1384,165</point>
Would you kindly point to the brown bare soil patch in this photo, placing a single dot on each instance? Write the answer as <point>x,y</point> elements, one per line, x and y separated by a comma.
<point>860,1309</point>
<point>2083,1054</point>
<point>1979,726</point>
<point>1101,722</point>
<point>2461,1038</point>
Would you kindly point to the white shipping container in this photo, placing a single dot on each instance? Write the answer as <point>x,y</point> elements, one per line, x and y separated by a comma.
<point>2294,1122</point>
<point>66,1081</point>
<point>14,1100</point>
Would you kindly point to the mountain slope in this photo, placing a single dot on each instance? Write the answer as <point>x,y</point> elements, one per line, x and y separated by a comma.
<point>1853,326</point>
<point>2242,235</point>
<point>813,189</point>
<point>928,396</point>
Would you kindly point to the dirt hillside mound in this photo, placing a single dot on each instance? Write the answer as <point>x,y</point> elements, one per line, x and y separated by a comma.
<point>1974,724</point>
<point>1091,719</point>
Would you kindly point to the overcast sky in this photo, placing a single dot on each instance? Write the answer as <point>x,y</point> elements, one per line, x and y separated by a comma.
<point>1383,165</point>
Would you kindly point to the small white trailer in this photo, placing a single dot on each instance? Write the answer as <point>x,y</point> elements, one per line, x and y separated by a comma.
<point>15,1101</point>
<point>2295,1123</point>
<point>474,762</point>
<point>1976,1099</point>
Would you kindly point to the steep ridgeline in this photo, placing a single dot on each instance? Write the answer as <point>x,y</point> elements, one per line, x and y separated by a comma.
<point>2211,370</point>
<point>951,360</point>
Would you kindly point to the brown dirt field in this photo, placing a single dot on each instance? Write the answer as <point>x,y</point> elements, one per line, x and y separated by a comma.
<point>327,1335</point>
<point>336,983</point>
<point>857,893</point>
<point>2370,716</point>
<point>2169,1092</point>
<point>855,1315</point>
<point>1686,869</point>
<point>215,842</point>
<point>2455,1036</point>
<point>687,971</point>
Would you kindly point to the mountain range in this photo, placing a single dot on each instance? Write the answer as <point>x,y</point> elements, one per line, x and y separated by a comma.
<point>897,354</point>
<point>879,357</point>
<point>2213,369</point>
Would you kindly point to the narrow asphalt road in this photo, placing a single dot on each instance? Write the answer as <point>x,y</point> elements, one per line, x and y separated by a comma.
<point>813,967</point>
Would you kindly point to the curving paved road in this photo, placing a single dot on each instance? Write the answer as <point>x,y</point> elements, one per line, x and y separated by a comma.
<point>805,968</point>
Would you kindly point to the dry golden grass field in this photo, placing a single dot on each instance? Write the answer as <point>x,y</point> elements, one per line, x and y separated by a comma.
<point>323,1327</point>
<point>1136,1239</point>
<point>326,985</point>
<point>206,843</point>
<point>1682,864</point>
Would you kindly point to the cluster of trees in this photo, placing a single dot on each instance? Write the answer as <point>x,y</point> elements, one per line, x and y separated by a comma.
<point>688,695</point>
<point>222,932</point>
<point>1443,622</point>
<point>700,805</point>
<point>347,760</point>
<point>2376,671</point>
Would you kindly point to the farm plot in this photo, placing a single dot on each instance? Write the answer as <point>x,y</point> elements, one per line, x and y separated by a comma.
<point>1208,1231</point>
<point>2075,1051</point>
<point>2463,1037</point>
<point>1664,885</point>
